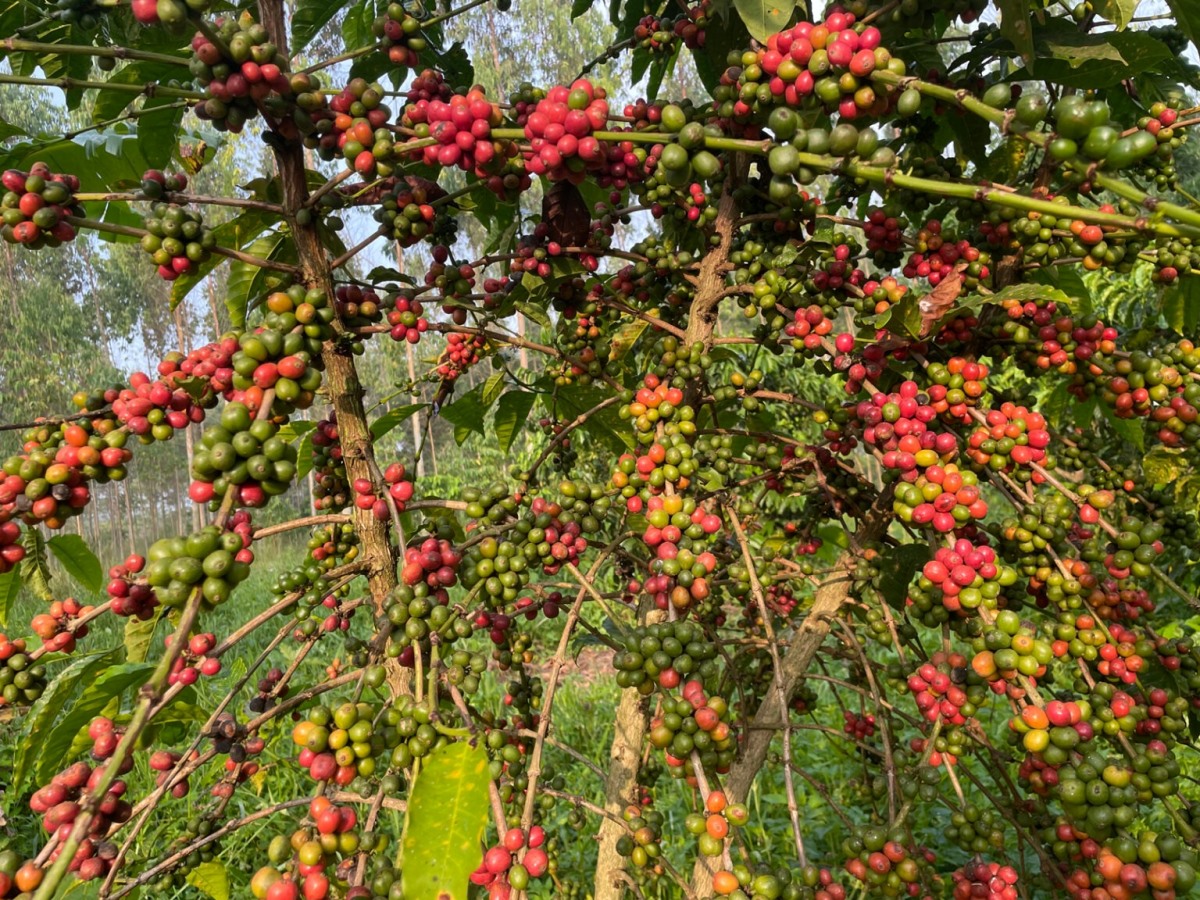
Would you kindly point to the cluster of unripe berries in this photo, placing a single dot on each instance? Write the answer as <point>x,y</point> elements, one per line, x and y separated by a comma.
<point>244,453</point>
<point>21,680</point>
<point>253,74</point>
<point>34,207</point>
<point>338,745</point>
<point>1009,652</point>
<point>211,561</point>
<point>662,653</point>
<point>176,240</point>
<point>697,723</point>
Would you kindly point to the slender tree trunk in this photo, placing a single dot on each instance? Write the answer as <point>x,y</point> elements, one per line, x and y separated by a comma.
<point>410,357</point>
<point>828,601</point>
<point>341,377</point>
<point>129,518</point>
<point>624,760</point>
<point>86,251</point>
<point>214,307</point>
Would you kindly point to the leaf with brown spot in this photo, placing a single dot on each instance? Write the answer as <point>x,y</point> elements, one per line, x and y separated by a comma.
<point>935,304</point>
<point>566,215</point>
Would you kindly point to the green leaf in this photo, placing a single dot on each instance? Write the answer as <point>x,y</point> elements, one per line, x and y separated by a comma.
<point>77,558</point>
<point>493,388</point>
<point>394,417</point>
<point>8,130</point>
<point>158,131</point>
<point>659,69</point>
<point>725,33</point>
<point>1130,430</point>
<point>511,414</point>
<point>905,316</point>
<point>10,587</point>
<point>248,282</point>
<point>1119,12</point>
<point>1056,404</point>
<point>1083,412</point>
<point>972,136</point>
<point>304,457</point>
<point>34,571</point>
<point>110,104</point>
<point>455,64</point>
<point>447,815</point>
<point>104,687</point>
<point>49,706</point>
<point>1187,17</point>
<point>764,18</point>
<point>1016,24</point>
<point>309,18</point>
<point>897,566</point>
<point>138,635</point>
<point>210,878</point>
<point>103,162</point>
<point>297,428</point>
<point>1080,60</point>
<point>579,7</point>
<point>1028,291</point>
<point>356,24</point>
<point>604,427</point>
<point>235,234</point>
<point>467,412</point>
<point>1181,305</point>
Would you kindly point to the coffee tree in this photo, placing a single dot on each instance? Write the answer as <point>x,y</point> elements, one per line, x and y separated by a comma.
<point>831,444</point>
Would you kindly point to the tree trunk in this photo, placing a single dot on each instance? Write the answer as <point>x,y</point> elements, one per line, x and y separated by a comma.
<point>132,531</point>
<point>624,760</point>
<point>410,357</point>
<point>828,600</point>
<point>341,378</point>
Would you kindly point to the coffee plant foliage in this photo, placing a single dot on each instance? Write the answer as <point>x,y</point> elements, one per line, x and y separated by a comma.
<point>840,419</point>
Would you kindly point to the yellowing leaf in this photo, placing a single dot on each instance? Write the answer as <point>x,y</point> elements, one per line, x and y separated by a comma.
<point>447,813</point>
